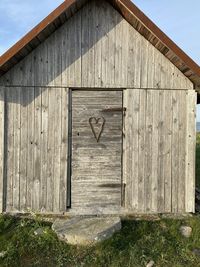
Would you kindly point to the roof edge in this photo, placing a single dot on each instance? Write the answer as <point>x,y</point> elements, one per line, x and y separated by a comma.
<point>128,10</point>
<point>148,23</point>
<point>13,50</point>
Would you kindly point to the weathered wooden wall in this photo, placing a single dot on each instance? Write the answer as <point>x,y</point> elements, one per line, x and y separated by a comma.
<point>92,52</point>
<point>36,149</point>
<point>159,148</point>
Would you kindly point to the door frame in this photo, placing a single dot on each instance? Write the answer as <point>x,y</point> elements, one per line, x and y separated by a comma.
<point>69,155</point>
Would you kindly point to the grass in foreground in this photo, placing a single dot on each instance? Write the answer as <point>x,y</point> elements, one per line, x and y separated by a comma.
<point>135,245</point>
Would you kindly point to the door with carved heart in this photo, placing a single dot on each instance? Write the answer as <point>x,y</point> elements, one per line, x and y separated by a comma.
<point>96,173</point>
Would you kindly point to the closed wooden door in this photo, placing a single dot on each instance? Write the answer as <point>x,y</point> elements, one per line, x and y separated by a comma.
<point>96,150</point>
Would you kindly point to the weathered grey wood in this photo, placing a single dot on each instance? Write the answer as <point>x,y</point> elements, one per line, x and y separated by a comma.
<point>34,175</point>
<point>64,148</point>
<point>10,148</point>
<point>182,149</point>
<point>91,185</point>
<point>93,54</point>
<point>37,149</point>
<point>175,152</point>
<point>2,121</point>
<point>51,144</point>
<point>155,152</point>
<point>190,152</point>
<point>148,151</point>
<point>167,150</point>
<point>162,142</point>
<point>16,152</point>
<point>85,45</point>
<point>132,146</point>
<point>97,45</point>
<point>30,148</point>
<point>23,148</point>
<point>44,148</point>
<point>57,149</point>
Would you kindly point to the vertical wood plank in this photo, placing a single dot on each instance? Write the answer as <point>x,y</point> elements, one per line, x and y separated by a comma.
<point>51,147</point>
<point>111,43</point>
<point>148,151</point>
<point>124,63</point>
<point>30,147</point>
<point>23,147</point>
<point>104,46</point>
<point>84,47</point>
<point>44,150</point>
<point>16,145</point>
<point>118,53</point>
<point>2,107</point>
<point>10,148</point>
<point>58,58</point>
<point>137,58</point>
<point>97,40</point>
<point>77,57</point>
<point>131,62</point>
<point>124,151</point>
<point>37,149</point>
<point>146,73</point>
<point>64,148</point>
<point>133,103</point>
<point>167,150</point>
<point>161,181</point>
<point>155,152</point>
<point>190,153</point>
<point>182,123</point>
<point>175,152</point>
<point>65,53</point>
<point>57,148</point>
<point>90,48</point>
<point>141,150</point>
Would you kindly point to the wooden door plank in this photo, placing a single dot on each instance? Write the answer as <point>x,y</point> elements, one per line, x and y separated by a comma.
<point>95,167</point>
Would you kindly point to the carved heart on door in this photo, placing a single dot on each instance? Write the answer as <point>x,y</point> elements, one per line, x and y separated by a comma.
<point>97,125</point>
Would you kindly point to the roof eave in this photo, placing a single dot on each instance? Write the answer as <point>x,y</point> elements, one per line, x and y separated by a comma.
<point>131,13</point>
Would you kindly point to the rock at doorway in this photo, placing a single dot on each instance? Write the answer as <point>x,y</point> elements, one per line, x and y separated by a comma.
<point>86,230</point>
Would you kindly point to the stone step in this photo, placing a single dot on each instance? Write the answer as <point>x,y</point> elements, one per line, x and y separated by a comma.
<point>86,230</point>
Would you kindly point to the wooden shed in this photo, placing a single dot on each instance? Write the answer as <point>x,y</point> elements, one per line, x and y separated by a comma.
<point>97,115</point>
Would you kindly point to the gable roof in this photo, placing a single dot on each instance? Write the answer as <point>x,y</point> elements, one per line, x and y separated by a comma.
<point>128,10</point>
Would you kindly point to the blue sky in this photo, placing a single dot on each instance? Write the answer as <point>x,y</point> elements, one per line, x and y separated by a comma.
<point>179,19</point>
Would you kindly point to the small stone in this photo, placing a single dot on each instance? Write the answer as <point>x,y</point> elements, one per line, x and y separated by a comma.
<point>3,254</point>
<point>196,252</point>
<point>39,231</point>
<point>186,231</point>
<point>150,264</point>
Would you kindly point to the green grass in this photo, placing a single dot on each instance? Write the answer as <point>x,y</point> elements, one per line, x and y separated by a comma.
<point>136,244</point>
<point>198,161</point>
